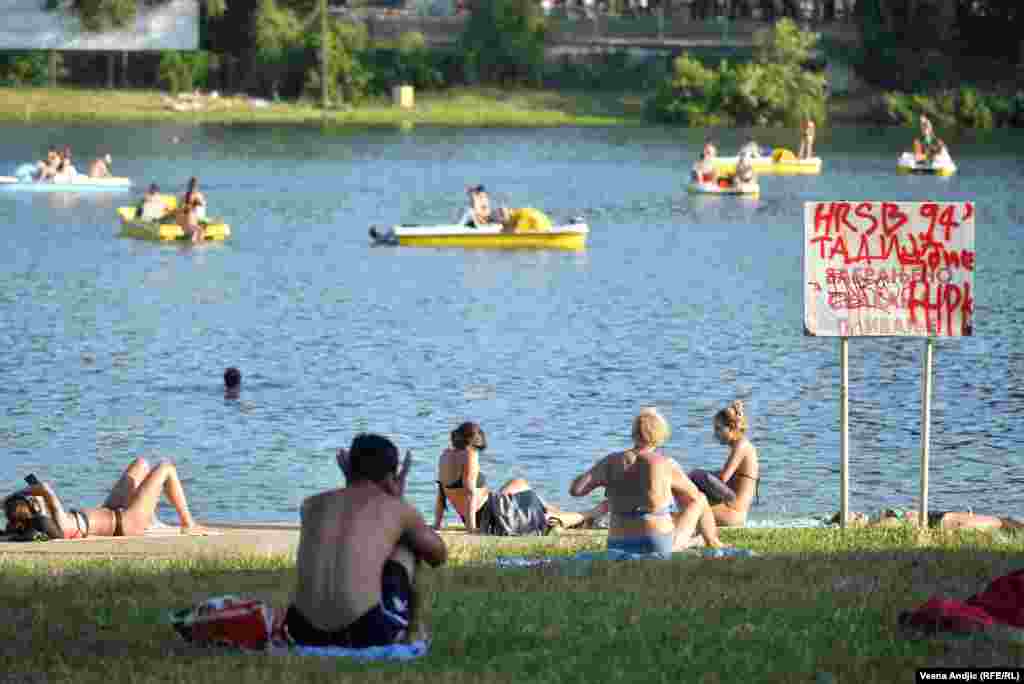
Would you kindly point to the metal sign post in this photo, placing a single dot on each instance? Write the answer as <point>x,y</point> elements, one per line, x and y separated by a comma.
<point>926,424</point>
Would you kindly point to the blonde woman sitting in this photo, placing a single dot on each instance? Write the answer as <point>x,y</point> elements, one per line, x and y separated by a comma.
<point>641,484</point>
<point>731,490</point>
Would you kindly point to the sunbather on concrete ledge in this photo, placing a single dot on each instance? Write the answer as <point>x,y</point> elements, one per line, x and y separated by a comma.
<point>937,520</point>
<point>128,511</point>
<point>640,484</point>
<point>357,555</point>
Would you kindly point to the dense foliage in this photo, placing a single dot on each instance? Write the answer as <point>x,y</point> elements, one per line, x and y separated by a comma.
<point>965,107</point>
<point>504,42</point>
<point>23,68</point>
<point>774,88</point>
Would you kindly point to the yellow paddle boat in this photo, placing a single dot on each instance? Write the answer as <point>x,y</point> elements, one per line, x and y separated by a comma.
<point>782,162</point>
<point>937,167</point>
<point>527,229</point>
<point>165,230</point>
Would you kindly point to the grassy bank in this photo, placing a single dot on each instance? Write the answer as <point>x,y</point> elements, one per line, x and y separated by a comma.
<point>454,107</point>
<point>821,605</point>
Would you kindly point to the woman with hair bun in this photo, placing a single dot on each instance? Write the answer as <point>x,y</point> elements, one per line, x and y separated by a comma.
<point>512,510</point>
<point>731,490</point>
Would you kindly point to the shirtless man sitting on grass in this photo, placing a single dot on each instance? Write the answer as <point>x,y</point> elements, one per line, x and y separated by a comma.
<point>358,549</point>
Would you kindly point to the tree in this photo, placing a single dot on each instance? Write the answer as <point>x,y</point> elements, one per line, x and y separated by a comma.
<point>504,41</point>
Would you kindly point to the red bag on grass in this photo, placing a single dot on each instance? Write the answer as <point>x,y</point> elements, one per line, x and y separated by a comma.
<point>226,621</point>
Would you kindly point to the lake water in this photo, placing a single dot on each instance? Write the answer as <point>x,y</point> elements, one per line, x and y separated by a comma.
<point>114,347</point>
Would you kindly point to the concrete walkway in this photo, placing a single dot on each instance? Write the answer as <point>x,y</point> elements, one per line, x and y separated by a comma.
<point>250,539</point>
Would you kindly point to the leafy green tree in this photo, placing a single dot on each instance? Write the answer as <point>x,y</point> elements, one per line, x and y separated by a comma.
<point>775,88</point>
<point>504,41</point>
<point>348,78</point>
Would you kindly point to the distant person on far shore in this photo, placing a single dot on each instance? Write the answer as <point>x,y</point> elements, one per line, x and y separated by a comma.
<point>937,520</point>
<point>807,130</point>
<point>232,383</point>
<point>731,490</point>
<point>100,167</point>
<point>358,549</point>
<point>641,483</point>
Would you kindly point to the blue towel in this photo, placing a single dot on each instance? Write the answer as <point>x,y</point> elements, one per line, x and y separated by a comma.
<point>581,560</point>
<point>416,649</point>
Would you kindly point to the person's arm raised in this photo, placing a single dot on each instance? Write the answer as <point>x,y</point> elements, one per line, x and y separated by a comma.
<point>594,478</point>
<point>426,544</point>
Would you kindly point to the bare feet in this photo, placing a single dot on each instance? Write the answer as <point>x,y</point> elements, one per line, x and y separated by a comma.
<point>196,529</point>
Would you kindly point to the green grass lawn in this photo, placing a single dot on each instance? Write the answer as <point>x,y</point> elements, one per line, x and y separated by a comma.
<point>452,107</point>
<point>818,605</point>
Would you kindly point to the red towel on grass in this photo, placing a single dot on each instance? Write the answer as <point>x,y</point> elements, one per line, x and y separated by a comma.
<point>1002,602</point>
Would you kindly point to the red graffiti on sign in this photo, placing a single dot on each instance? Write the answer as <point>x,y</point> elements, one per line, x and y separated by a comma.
<point>911,264</point>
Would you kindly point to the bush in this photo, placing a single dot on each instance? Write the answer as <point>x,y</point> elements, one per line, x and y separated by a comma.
<point>348,78</point>
<point>183,71</point>
<point>775,88</point>
<point>965,108</point>
<point>23,68</point>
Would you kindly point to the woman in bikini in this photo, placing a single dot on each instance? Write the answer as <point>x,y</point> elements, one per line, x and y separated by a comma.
<point>461,483</point>
<point>937,520</point>
<point>128,511</point>
<point>740,474</point>
<point>641,484</point>
<point>193,212</point>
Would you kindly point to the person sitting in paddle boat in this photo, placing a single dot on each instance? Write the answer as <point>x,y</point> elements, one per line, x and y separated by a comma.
<point>641,484</point>
<point>128,511</point>
<point>938,154</point>
<point>358,550</point>
<point>744,171</point>
<point>807,130</point>
<point>152,207</point>
<point>925,142</point>
<point>751,149</point>
<point>731,490</point>
<point>100,167</point>
<point>192,212</point>
<point>937,520</point>
<point>704,170</point>
<point>66,170</point>
<point>480,213</point>
<point>47,168</point>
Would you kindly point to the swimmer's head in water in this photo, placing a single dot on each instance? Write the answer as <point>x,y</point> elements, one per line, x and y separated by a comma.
<point>232,378</point>
<point>373,458</point>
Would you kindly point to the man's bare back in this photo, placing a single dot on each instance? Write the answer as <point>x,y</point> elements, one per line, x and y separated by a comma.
<point>358,549</point>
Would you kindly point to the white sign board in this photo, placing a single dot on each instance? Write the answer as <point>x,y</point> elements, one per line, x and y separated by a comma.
<point>888,268</point>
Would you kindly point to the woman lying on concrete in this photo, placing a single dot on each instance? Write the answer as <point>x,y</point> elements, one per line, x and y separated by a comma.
<point>128,511</point>
<point>641,484</point>
<point>513,509</point>
<point>937,520</point>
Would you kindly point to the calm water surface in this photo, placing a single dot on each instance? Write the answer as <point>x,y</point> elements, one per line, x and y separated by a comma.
<point>115,347</point>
